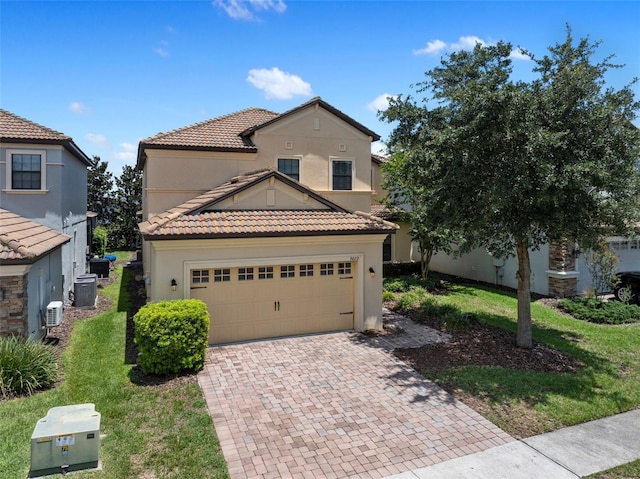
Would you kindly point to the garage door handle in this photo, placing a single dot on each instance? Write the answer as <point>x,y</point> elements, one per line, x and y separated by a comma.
<point>198,287</point>
<point>350,312</point>
<point>346,277</point>
<point>276,305</point>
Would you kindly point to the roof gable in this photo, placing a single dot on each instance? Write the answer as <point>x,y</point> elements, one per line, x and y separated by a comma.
<point>23,240</point>
<point>210,215</point>
<point>15,129</point>
<point>314,102</point>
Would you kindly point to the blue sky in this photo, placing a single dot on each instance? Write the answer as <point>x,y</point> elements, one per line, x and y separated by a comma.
<point>112,73</point>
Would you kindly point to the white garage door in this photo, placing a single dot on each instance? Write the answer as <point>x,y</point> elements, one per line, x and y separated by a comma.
<point>253,302</point>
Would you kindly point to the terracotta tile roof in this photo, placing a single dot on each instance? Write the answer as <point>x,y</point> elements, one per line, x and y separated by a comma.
<point>383,211</point>
<point>219,133</point>
<point>231,187</point>
<point>379,159</point>
<point>242,223</point>
<point>23,240</point>
<point>232,132</point>
<point>198,217</point>
<point>15,129</point>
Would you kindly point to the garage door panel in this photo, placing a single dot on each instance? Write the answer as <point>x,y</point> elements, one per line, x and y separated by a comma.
<point>283,300</point>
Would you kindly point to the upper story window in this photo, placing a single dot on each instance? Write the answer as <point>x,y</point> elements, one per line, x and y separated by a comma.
<point>341,175</point>
<point>290,167</point>
<point>26,170</point>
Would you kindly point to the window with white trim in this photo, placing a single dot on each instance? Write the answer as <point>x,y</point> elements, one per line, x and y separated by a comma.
<point>288,271</point>
<point>326,269</point>
<point>306,270</point>
<point>265,272</point>
<point>290,167</point>
<point>344,268</point>
<point>341,174</point>
<point>26,170</point>
<point>200,276</point>
<point>245,274</point>
<point>222,275</point>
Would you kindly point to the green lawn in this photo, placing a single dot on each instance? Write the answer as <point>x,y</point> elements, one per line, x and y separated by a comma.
<point>630,471</point>
<point>608,384</point>
<point>148,431</point>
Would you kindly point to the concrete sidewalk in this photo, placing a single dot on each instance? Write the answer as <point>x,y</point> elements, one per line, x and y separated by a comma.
<point>568,453</point>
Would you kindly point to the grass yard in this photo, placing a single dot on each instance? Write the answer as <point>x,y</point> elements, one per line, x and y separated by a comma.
<point>161,430</point>
<point>627,471</point>
<point>527,402</point>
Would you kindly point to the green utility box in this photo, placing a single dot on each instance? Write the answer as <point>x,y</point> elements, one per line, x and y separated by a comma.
<point>67,439</point>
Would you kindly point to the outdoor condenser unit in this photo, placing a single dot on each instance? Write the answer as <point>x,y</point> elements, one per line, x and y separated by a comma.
<point>54,314</point>
<point>67,439</point>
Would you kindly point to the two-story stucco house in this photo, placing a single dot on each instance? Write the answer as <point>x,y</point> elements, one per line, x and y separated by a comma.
<point>266,218</point>
<point>43,221</point>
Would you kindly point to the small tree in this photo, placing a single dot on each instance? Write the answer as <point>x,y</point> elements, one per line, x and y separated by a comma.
<point>100,190</point>
<point>123,231</point>
<point>415,201</point>
<point>602,263</point>
<point>99,241</point>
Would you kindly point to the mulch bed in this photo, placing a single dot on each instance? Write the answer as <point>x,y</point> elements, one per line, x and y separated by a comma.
<point>481,344</point>
<point>484,345</point>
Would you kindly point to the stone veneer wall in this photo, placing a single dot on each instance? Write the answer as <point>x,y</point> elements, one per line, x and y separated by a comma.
<point>562,260</point>
<point>14,310</point>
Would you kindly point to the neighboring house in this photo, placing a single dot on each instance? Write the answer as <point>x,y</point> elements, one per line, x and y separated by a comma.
<point>397,248</point>
<point>557,269</point>
<point>30,267</point>
<point>266,218</point>
<point>43,175</point>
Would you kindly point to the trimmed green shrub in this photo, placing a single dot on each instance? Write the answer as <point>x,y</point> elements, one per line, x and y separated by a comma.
<point>172,336</point>
<point>595,311</point>
<point>99,241</point>
<point>25,366</point>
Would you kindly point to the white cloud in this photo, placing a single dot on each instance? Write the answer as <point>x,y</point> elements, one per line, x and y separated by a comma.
<point>161,51</point>
<point>464,43</point>
<point>245,9</point>
<point>381,102</point>
<point>278,84</point>
<point>125,156</point>
<point>78,108</point>
<point>431,48</point>
<point>518,54</point>
<point>128,147</point>
<point>97,140</point>
<point>467,43</point>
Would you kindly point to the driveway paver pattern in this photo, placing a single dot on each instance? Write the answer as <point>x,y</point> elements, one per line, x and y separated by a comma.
<point>337,405</point>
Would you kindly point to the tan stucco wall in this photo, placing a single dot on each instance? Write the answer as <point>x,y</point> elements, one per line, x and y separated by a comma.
<point>401,244</point>
<point>173,176</point>
<point>174,260</point>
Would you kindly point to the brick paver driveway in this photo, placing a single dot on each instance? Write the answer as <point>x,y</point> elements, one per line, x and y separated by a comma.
<point>333,406</point>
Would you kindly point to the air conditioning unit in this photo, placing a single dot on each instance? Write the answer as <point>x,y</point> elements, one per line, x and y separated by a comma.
<point>54,314</point>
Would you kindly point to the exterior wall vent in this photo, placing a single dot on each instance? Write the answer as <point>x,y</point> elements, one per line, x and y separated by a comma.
<point>288,145</point>
<point>342,147</point>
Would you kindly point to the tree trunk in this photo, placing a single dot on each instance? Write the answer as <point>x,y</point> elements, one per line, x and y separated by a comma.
<point>523,337</point>
<point>425,259</point>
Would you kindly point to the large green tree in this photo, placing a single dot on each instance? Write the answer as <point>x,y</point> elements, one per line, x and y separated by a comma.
<point>511,165</point>
<point>100,190</point>
<point>123,231</point>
